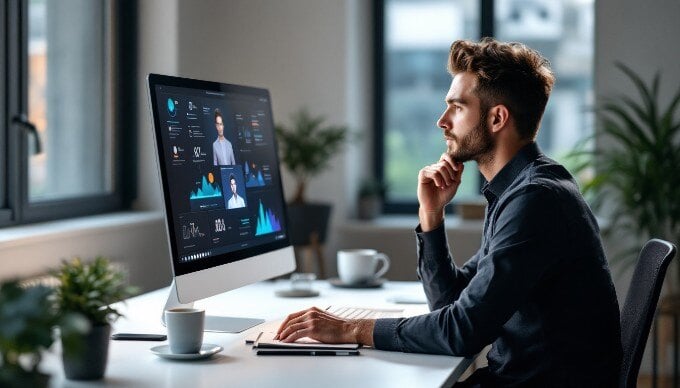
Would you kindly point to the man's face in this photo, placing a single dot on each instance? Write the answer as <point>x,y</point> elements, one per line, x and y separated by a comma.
<point>465,128</point>
<point>232,184</point>
<point>220,126</point>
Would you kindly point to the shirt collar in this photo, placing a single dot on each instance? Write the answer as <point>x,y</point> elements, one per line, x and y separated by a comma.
<point>510,171</point>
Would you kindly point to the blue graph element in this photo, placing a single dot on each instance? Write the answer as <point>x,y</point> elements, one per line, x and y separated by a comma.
<point>255,178</point>
<point>171,107</point>
<point>206,191</point>
<point>267,222</point>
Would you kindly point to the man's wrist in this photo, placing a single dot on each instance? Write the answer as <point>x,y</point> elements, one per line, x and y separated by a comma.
<point>362,331</point>
<point>430,220</point>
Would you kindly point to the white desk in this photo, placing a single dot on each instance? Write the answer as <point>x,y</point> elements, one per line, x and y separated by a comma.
<point>131,364</point>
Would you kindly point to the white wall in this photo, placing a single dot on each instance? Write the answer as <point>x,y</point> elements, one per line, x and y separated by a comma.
<point>308,53</point>
<point>158,53</point>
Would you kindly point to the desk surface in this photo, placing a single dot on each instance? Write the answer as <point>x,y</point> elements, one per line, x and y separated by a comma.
<point>132,364</point>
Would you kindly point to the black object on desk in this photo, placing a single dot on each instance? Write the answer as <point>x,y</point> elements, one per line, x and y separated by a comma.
<point>138,337</point>
<point>303,352</point>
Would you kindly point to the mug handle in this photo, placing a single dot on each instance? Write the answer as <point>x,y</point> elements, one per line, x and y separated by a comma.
<point>385,265</point>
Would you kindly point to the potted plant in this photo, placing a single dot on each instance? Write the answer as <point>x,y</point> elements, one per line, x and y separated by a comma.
<point>89,289</point>
<point>370,198</point>
<point>637,172</point>
<point>306,149</point>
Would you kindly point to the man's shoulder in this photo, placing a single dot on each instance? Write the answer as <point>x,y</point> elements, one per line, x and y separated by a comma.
<point>544,175</point>
<point>546,187</point>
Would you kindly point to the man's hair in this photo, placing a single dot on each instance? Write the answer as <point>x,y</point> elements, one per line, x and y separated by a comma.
<point>510,74</point>
<point>232,177</point>
<point>218,113</point>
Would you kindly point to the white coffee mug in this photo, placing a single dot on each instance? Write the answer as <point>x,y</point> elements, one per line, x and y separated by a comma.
<point>359,265</point>
<point>185,329</point>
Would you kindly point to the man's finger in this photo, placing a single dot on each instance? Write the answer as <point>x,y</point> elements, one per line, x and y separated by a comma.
<point>290,330</point>
<point>290,318</point>
<point>441,174</point>
<point>297,334</point>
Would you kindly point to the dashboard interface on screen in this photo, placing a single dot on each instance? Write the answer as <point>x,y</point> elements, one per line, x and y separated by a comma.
<point>220,171</point>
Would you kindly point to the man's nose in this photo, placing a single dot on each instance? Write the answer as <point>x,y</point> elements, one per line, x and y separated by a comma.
<point>443,122</point>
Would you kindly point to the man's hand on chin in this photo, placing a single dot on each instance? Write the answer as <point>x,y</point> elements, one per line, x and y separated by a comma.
<point>437,185</point>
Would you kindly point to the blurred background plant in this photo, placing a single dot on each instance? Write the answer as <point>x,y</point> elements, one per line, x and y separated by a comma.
<point>636,176</point>
<point>307,147</point>
<point>371,196</point>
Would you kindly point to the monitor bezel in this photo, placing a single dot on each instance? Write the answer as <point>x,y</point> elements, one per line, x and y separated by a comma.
<point>226,258</point>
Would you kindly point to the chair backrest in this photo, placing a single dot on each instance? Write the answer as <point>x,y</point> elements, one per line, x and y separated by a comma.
<point>640,306</point>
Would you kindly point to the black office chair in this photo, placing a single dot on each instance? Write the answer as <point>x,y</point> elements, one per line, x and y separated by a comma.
<point>638,310</point>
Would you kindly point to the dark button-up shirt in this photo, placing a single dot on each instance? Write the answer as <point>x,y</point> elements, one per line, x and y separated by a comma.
<point>539,289</point>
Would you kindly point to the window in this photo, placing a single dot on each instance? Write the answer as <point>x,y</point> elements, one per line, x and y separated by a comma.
<point>67,124</point>
<point>412,39</point>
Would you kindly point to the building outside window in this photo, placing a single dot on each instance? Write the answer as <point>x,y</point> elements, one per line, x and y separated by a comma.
<point>412,44</point>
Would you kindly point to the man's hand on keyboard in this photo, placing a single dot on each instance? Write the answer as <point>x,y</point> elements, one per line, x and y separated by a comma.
<point>327,328</point>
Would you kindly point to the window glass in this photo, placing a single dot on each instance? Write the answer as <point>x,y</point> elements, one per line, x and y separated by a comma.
<point>418,35</point>
<point>563,32</point>
<point>67,93</point>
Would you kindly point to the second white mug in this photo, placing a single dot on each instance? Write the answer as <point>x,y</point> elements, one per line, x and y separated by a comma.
<point>359,265</point>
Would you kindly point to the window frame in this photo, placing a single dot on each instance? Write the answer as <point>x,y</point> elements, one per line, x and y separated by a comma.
<point>401,207</point>
<point>14,169</point>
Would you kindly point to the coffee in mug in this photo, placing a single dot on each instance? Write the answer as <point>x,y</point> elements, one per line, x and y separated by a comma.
<point>359,265</point>
<point>185,329</point>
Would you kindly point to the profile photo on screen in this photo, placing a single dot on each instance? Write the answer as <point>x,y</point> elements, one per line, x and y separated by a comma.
<point>223,152</point>
<point>234,187</point>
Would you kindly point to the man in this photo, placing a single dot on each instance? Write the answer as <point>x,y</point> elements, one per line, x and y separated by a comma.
<point>235,201</point>
<point>223,153</point>
<point>539,289</point>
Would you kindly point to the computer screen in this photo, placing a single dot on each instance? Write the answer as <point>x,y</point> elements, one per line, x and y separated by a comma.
<point>224,203</point>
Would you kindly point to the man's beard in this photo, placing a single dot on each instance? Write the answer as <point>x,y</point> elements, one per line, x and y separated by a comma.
<point>475,145</point>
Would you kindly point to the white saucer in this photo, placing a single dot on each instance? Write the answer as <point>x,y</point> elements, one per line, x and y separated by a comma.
<point>206,351</point>
<point>296,293</point>
<point>373,283</point>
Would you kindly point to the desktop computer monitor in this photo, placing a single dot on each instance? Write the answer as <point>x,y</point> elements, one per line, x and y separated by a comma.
<point>224,206</point>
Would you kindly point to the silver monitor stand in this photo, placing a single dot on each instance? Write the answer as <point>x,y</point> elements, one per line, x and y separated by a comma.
<point>212,323</point>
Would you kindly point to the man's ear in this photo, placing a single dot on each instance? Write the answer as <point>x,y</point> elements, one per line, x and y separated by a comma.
<point>498,117</point>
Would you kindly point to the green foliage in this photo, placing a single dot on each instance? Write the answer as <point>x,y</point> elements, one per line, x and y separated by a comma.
<point>308,146</point>
<point>90,288</point>
<point>639,175</point>
<point>26,321</point>
<point>27,317</point>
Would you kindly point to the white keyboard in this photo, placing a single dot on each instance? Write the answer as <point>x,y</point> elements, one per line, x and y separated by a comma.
<point>360,312</point>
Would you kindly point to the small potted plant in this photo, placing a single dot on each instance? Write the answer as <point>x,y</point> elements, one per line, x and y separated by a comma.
<point>371,196</point>
<point>89,289</point>
<point>306,149</point>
